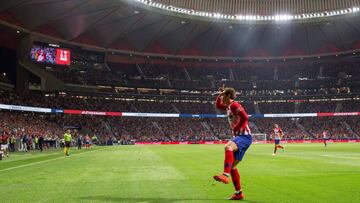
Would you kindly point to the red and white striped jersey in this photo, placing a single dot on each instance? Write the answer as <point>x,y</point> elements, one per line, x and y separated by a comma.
<point>277,133</point>
<point>237,116</point>
<point>324,134</point>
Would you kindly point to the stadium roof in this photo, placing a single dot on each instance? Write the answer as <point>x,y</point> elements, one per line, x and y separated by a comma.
<point>131,27</point>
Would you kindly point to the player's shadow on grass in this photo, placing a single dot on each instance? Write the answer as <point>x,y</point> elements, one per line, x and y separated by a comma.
<point>149,200</point>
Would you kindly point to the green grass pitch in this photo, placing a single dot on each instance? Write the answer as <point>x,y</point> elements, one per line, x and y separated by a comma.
<point>182,173</point>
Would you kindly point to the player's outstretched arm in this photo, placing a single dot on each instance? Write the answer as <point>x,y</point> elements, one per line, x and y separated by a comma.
<point>218,103</point>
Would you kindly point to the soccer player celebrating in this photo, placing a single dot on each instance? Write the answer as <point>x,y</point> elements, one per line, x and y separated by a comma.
<point>67,139</point>
<point>277,136</point>
<point>235,149</point>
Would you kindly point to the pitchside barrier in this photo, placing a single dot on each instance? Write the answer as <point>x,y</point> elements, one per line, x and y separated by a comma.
<point>255,142</point>
<point>173,115</point>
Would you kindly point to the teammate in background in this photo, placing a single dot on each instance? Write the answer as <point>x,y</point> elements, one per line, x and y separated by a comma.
<point>1,151</point>
<point>277,136</point>
<point>67,140</point>
<point>87,142</point>
<point>5,144</point>
<point>235,149</point>
<point>325,138</point>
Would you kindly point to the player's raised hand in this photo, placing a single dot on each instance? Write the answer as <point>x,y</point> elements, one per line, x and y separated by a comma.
<point>222,89</point>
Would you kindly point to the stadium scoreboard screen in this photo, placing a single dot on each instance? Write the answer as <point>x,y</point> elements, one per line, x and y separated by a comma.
<point>50,55</point>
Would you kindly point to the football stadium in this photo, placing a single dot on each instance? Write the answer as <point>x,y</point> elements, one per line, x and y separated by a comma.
<point>156,101</point>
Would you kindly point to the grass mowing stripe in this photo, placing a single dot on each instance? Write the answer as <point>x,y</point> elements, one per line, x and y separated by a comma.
<point>47,160</point>
<point>181,174</point>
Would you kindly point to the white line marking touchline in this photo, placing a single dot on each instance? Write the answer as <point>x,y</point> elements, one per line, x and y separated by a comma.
<point>339,156</point>
<point>39,162</point>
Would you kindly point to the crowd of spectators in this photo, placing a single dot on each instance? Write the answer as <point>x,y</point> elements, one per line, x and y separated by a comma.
<point>276,107</point>
<point>168,106</point>
<point>250,79</point>
<point>335,127</point>
<point>23,128</point>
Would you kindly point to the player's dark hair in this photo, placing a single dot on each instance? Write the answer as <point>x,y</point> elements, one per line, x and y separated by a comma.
<point>230,92</point>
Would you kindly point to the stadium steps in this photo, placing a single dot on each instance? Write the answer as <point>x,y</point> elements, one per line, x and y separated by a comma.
<point>207,127</point>
<point>133,108</point>
<point>107,66</point>
<point>297,107</point>
<point>157,126</point>
<point>301,127</point>
<point>175,108</point>
<point>348,127</point>
<point>339,81</point>
<point>256,108</point>
<point>276,75</point>
<point>254,128</point>
<point>297,84</point>
<point>339,107</point>
<point>187,74</point>
<point>231,74</point>
<point>138,67</point>
<point>321,72</point>
<point>108,127</point>
<point>169,83</point>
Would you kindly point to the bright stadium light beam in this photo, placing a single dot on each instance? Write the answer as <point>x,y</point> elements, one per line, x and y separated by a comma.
<point>283,17</point>
<point>240,17</point>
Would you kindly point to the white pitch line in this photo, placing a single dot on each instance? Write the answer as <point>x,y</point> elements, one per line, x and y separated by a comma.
<point>339,156</point>
<point>39,162</point>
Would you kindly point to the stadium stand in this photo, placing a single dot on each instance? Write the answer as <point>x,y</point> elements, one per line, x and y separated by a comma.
<point>308,86</point>
<point>167,129</point>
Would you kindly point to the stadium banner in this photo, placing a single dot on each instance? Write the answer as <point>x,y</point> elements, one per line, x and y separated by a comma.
<point>68,111</point>
<point>199,115</point>
<point>339,114</point>
<point>24,108</point>
<point>255,142</point>
<point>157,115</point>
<point>94,113</point>
<point>290,115</point>
<point>61,111</point>
<point>257,116</point>
<point>169,115</point>
<point>114,113</point>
